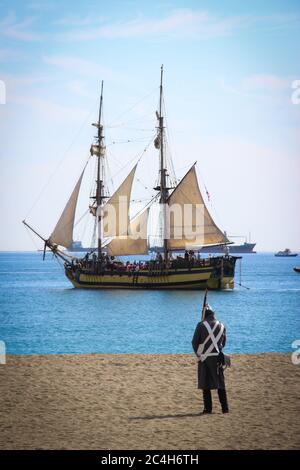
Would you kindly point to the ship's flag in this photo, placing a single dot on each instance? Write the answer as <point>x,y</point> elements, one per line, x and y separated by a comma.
<point>207,194</point>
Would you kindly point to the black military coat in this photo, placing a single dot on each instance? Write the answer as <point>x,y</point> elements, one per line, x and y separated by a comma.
<point>210,375</point>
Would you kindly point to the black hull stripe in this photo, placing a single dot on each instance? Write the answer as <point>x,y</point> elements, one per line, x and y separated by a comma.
<point>142,285</point>
<point>153,274</point>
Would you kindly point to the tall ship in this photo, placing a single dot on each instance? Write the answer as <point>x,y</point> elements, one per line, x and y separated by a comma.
<point>118,236</point>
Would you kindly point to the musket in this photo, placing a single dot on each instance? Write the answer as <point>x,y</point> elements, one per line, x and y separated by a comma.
<point>204,304</point>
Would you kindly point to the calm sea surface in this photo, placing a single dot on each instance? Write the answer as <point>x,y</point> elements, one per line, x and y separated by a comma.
<point>41,313</point>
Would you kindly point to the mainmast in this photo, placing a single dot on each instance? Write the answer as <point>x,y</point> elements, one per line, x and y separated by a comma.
<point>163,171</point>
<point>100,184</point>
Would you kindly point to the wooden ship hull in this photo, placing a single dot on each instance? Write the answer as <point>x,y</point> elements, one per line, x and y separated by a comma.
<point>215,274</point>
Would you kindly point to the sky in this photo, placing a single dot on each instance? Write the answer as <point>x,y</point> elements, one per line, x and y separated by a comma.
<point>229,72</point>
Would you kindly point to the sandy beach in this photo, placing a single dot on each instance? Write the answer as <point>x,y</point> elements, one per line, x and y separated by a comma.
<point>145,402</point>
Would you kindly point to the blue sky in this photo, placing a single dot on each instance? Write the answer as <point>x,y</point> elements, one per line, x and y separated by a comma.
<point>229,68</point>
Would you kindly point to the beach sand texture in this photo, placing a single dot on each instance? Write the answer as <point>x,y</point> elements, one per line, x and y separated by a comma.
<point>145,402</point>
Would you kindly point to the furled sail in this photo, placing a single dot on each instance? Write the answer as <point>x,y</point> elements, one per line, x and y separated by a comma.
<point>135,243</point>
<point>191,218</point>
<point>115,213</point>
<point>63,232</point>
<point>96,150</point>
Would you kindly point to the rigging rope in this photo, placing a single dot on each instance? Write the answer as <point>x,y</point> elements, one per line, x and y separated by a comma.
<point>93,239</point>
<point>145,207</point>
<point>81,217</point>
<point>173,178</point>
<point>240,276</point>
<point>33,239</point>
<point>139,155</point>
<point>134,106</point>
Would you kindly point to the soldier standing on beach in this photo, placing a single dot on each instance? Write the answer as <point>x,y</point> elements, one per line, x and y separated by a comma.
<point>208,341</point>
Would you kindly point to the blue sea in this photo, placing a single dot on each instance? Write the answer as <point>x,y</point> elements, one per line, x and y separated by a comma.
<point>41,313</point>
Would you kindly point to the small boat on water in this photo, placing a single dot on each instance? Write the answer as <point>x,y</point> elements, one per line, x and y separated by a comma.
<point>297,270</point>
<point>285,253</point>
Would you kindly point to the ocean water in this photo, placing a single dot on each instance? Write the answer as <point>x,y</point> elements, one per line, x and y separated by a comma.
<point>41,313</point>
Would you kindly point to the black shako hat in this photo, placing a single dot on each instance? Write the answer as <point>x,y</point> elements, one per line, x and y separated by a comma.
<point>209,312</point>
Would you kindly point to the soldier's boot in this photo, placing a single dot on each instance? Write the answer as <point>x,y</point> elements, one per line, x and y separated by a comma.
<point>223,400</point>
<point>207,402</point>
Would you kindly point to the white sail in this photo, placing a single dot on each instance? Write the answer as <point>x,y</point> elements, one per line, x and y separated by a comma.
<point>63,232</point>
<point>136,242</point>
<point>115,213</point>
<point>204,230</point>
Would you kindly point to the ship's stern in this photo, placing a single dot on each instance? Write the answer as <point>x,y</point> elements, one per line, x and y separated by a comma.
<point>222,277</point>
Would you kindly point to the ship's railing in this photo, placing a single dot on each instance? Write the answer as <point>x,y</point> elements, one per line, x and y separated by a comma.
<point>152,267</point>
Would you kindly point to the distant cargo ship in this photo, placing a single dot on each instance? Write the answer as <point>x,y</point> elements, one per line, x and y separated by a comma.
<point>244,248</point>
<point>76,247</point>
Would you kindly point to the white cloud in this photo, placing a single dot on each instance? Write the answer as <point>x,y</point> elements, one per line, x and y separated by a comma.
<point>78,21</point>
<point>20,86</point>
<point>4,54</point>
<point>276,22</point>
<point>78,65</point>
<point>14,29</point>
<point>183,22</point>
<point>266,88</point>
<point>266,82</point>
<point>22,89</point>
<point>179,23</point>
<point>49,110</point>
<point>23,80</point>
<point>77,87</point>
<point>41,6</point>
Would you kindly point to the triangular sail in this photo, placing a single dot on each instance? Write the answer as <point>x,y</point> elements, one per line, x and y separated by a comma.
<point>204,230</point>
<point>115,213</point>
<point>136,242</point>
<point>63,232</point>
